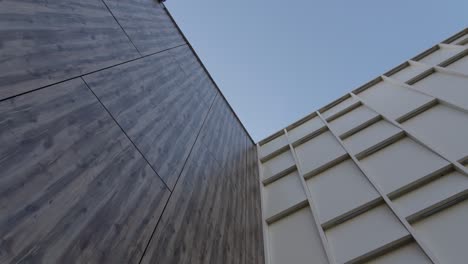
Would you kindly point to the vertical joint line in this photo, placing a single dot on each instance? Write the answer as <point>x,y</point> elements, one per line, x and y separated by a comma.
<point>177,181</point>
<point>125,133</point>
<point>123,30</point>
<point>312,208</point>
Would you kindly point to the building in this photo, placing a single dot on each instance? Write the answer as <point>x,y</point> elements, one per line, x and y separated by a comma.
<point>118,147</point>
<point>378,176</point>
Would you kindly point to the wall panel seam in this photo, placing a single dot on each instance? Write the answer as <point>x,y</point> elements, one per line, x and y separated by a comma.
<point>125,133</point>
<point>175,185</point>
<point>433,149</point>
<point>388,202</point>
<point>313,209</point>
<point>88,73</point>
<point>123,30</point>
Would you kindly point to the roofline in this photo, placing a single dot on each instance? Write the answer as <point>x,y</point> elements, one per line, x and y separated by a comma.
<point>365,86</point>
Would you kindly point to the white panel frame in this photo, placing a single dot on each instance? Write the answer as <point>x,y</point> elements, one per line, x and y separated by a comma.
<point>461,165</point>
<point>387,200</point>
<point>312,207</point>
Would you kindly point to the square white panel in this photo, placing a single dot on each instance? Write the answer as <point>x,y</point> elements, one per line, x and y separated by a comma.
<point>295,239</point>
<point>352,119</point>
<point>440,55</point>
<point>364,233</point>
<point>371,136</point>
<point>444,128</point>
<point>401,163</point>
<point>283,194</point>
<point>446,233</point>
<point>409,72</point>
<point>339,107</point>
<point>339,190</point>
<point>392,100</point>
<point>319,151</point>
<point>431,193</point>
<point>408,254</point>
<point>273,145</point>
<point>278,164</point>
<point>451,88</point>
<point>305,129</point>
<point>460,65</point>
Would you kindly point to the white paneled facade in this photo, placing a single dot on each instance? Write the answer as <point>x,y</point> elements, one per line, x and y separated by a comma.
<point>378,176</point>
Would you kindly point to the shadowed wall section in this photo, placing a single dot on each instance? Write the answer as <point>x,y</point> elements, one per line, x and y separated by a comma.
<point>117,147</point>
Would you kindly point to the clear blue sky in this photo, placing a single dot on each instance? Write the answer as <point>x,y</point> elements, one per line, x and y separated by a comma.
<point>276,61</point>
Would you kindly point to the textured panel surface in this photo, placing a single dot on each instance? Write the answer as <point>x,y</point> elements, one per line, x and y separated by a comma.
<point>283,194</point>
<point>319,151</point>
<point>371,136</point>
<point>410,253</point>
<point>296,240</point>
<point>157,107</point>
<point>353,119</point>
<point>339,107</point>
<point>374,228</point>
<point>197,74</point>
<point>147,24</point>
<point>278,164</point>
<point>392,100</point>
<point>409,162</point>
<point>303,130</point>
<point>79,161</point>
<point>73,188</point>
<point>339,190</point>
<point>450,88</point>
<point>409,72</point>
<point>206,218</point>
<point>43,42</point>
<point>443,127</point>
<point>446,233</point>
<point>432,193</point>
<point>273,145</point>
<point>387,159</point>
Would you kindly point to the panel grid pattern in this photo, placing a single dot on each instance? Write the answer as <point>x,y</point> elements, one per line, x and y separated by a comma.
<point>379,168</point>
<point>116,144</point>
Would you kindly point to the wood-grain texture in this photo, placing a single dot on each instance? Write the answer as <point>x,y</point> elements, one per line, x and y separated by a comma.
<point>73,189</point>
<point>46,41</point>
<point>194,70</point>
<point>157,106</point>
<point>108,156</point>
<point>147,24</point>
<point>207,219</point>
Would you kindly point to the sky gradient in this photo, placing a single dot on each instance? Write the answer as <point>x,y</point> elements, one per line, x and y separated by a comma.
<point>277,61</point>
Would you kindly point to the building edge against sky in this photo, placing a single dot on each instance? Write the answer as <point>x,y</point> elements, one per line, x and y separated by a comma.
<point>117,146</point>
<point>379,175</point>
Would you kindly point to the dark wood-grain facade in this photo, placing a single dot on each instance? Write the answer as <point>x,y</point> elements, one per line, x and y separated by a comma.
<point>115,144</point>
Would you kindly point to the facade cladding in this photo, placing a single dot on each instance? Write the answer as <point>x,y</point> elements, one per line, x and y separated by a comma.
<point>378,176</point>
<point>116,145</point>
